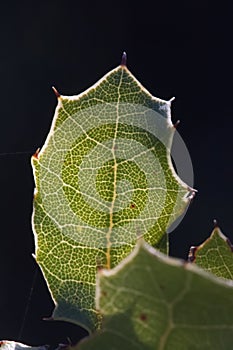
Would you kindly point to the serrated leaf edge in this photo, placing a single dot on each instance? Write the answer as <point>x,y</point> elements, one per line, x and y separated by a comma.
<point>141,244</point>
<point>216,231</point>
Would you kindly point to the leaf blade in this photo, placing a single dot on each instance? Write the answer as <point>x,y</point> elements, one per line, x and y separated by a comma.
<point>92,200</point>
<point>215,255</point>
<point>151,302</point>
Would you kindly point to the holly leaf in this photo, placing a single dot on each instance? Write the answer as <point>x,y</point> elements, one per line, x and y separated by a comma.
<point>214,255</point>
<point>104,177</point>
<point>151,301</point>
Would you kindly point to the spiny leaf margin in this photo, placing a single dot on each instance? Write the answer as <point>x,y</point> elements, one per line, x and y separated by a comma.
<point>70,268</point>
<point>150,301</point>
<point>215,255</point>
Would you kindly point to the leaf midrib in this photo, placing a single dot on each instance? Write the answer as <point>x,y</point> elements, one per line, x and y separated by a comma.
<point>111,209</point>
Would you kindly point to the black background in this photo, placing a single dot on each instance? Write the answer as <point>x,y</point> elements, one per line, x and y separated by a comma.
<point>175,48</point>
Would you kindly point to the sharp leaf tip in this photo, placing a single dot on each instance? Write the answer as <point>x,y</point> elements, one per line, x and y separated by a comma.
<point>192,254</point>
<point>57,94</point>
<point>124,59</point>
<point>176,124</point>
<point>36,154</point>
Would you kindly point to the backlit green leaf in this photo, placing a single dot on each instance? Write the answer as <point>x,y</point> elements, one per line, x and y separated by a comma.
<point>215,255</point>
<point>151,301</point>
<point>103,178</point>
